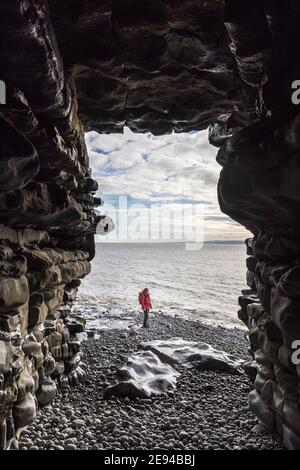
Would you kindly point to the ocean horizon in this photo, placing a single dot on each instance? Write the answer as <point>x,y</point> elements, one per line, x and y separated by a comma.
<point>201,285</point>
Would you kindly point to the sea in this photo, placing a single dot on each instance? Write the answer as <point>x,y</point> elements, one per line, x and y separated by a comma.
<point>200,284</point>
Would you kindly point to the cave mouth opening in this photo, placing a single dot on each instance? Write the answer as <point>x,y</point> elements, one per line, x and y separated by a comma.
<point>161,193</point>
<point>169,66</point>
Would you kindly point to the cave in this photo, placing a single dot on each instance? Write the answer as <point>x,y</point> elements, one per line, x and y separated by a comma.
<point>158,66</point>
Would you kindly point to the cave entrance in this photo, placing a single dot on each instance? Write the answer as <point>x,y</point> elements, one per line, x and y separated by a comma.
<point>169,232</point>
<point>168,66</point>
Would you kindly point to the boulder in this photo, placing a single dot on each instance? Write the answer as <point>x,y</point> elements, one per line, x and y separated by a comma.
<point>200,356</point>
<point>46,392</point>
<point>143,375</point>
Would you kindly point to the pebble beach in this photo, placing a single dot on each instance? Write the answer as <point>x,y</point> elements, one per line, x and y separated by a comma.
<point>208,409</point>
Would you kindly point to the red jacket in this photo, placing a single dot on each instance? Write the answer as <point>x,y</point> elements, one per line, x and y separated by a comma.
<point>145,301</point>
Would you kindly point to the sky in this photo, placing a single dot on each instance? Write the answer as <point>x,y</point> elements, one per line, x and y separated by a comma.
<point>160,188</point>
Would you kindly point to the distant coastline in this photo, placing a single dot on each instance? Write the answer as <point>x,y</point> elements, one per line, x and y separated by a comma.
<point>225,242</point>
<point>207,242</point>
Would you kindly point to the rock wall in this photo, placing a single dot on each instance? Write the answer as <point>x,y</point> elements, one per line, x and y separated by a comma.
<point>259,187</point>
<point>72,66</point>
<point>155,65</point>
<point>47,218</point>
<point>159,66</point>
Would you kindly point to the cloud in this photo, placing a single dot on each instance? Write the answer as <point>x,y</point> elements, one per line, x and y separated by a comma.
<point>171,169</point>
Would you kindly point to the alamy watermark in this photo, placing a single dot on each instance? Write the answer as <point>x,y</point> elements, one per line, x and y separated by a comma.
<point>156,223</point>
<point>2,92</point>
<point>296,354</point>
<point>3,353</point>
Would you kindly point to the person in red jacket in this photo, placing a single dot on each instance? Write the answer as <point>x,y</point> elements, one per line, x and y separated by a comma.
<point>145,302</point>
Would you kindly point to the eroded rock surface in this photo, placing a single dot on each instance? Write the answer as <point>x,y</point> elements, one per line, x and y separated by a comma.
<point>201,356</point>
<point>159,66</point>
<point>259,188</point>
<point>143,375</point>
<point>68,67</point>
<point>153,369</point>
<point>47,217</point>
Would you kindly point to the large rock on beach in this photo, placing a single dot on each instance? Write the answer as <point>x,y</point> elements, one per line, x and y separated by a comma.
<point>143,375</point>
<point>152,370</point>
<point>201,356</point>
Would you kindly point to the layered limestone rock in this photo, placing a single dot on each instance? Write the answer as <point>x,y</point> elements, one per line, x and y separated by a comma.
<point>259,188</point>
<point>47,218</point>
<point>159,66</point>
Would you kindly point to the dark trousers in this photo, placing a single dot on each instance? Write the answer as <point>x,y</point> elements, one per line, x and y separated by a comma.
<point>146,316</point>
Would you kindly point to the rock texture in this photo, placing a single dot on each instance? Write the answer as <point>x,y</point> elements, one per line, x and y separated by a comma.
<point>47,218</point>
<point>200,356</point>
<point>207,411</point>
<point>156,65</point>
<point>159,66</point>
<point>153,369</point>
<point>259,188</point>
<point>143,376</point>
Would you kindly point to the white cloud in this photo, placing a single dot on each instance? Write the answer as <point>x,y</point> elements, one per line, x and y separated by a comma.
<point>177,168</point>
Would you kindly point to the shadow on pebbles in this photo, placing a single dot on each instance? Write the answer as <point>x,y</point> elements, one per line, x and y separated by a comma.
<point>207,411</point>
